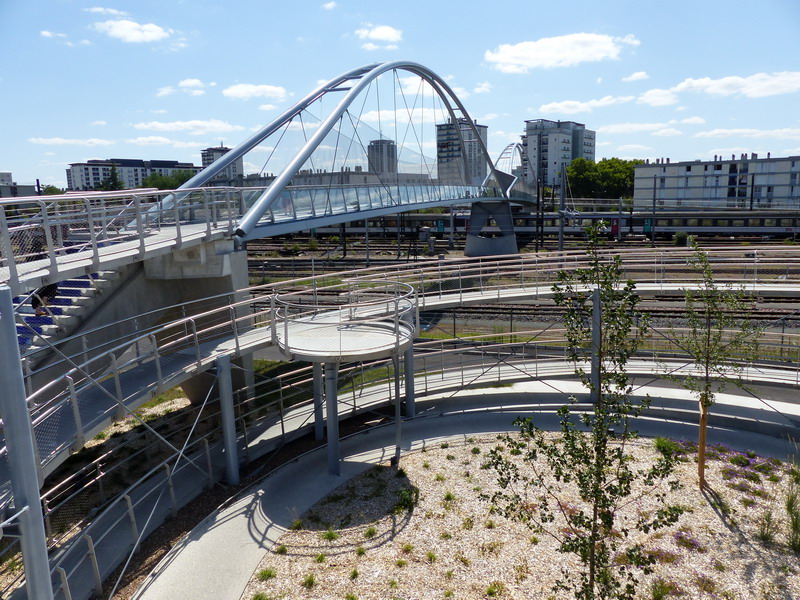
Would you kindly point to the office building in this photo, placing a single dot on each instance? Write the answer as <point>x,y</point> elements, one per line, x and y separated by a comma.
<point>450,163</point>
<point>551,145</point>
<point>737,182</point>
<point>382,157</point>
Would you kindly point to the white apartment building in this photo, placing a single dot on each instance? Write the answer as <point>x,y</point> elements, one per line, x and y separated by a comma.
<point>131,171</point>
<point>551,145</point>
<point>230,175</point>
<point>449,161</point>
<point>743,182</point>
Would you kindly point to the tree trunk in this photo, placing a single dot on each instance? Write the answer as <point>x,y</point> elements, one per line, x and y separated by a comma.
<point>701,445</point>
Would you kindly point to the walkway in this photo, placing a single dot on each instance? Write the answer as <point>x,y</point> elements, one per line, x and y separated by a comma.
<point>216,560</point>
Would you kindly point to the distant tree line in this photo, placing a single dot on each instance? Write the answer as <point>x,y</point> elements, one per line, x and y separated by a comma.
<point>608,178</point>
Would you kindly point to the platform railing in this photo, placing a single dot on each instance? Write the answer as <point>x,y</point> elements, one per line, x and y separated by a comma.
<point>188,342</point>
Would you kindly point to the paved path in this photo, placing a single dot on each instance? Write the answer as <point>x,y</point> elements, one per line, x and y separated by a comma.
<point>216,560</point>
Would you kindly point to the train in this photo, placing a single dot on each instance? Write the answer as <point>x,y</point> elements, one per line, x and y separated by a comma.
<point>762,225</point>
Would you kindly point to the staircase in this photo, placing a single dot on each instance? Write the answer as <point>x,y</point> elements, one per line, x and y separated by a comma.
<point>75,299</point>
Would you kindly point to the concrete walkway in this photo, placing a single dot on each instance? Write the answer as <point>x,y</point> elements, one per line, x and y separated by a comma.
<point>216,560</point>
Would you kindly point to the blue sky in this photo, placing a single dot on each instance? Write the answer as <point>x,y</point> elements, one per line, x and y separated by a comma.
<point>161,80</point>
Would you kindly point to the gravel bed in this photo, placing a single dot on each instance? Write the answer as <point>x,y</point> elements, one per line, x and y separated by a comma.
<point>362,542</point>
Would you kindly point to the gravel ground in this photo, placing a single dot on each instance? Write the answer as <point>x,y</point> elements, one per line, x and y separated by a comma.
<point>358,544</point>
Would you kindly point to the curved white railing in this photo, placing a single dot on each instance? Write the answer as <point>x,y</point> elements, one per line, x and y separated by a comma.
<point>163,356</point>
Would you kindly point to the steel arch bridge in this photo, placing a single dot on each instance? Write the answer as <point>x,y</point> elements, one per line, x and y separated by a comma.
<point>327,205</point>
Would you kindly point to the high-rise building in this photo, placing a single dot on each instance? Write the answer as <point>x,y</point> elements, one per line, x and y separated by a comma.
<point>450,164</point>
<point>551,145</point>
<point>738,182</point>
<point>230,175</point>
<point>382,157</point>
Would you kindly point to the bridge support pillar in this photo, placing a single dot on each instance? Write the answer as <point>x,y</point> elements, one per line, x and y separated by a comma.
<point>22,463</point>
<point>225,385</point>
<point>332,407</point>
<point>319,420</point>
<point>408,371</point>
<point>491,230</point>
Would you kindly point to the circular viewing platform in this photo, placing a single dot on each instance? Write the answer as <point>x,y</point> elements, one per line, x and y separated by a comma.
<point>347,322</point>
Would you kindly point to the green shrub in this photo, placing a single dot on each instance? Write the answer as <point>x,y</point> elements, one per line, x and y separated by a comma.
<point>265,574</point>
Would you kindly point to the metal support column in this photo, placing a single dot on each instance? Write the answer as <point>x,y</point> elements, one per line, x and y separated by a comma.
<point>319,419</point>
<point>332,408</point>
<point>408,368</point>
<point>597,344</point>
<point>22,462</point>
<point>398,417</point>
<point>225,385</point>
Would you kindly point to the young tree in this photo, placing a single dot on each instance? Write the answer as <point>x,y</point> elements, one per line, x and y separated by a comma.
<point>718,340</point>
<point>112,182</point>
<point>589,457</point>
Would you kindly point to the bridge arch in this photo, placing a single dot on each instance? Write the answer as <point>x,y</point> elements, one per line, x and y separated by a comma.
<point>354,82</point>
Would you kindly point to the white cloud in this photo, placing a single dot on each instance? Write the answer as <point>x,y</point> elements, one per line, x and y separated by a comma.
<point>132,32</point>
<point>80,43</point>
<point>667,132</point>
<point>785,133</point>
<point>693,120</point>
<point>51,34</point>
<point>100,123</point>
<point>267,107</point>
<point>489,117</point>
<point>329,5</point>
<point>59,141</point>
<point>403,115</point>
<point>630,127</point>
<point>570,107</point>
<point>638,76</point>
<point>483,88</point>
<point>633,148</point>
<point>658,97</point>
<point>753,86</point>
<point>190,83</point>
<point>106,11</point>
<point>189,145</point>
<point>244,91</point>
<point>165,91</point>
<point>379,33</point>
<point>562,51</point>
<point>194,127</point>
<point>196,92</point>
<point>149,140</point>
<point>460,92</point>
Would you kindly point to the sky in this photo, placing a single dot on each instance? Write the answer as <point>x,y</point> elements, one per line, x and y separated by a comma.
<point>163,79</point>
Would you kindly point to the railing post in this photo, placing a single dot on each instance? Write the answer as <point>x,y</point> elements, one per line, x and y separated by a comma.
<point>132,517</point>
<point>171,488</point>
<point>137,209</point>
<point>92,235</point>
<point>156,359</point>
<point>196,343</point>
<point>48,236</point>
<point>80,438</point>
<point>7,250</point>
<point>98,581</point>
<point>64,587</point>
<point>118,387</point>
<point>273,327</point>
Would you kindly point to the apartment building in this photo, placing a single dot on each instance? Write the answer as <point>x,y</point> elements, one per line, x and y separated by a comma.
<point>551,145</point>
<point>449,161</point>
<point>132,172</point>
<point>743,182</point>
